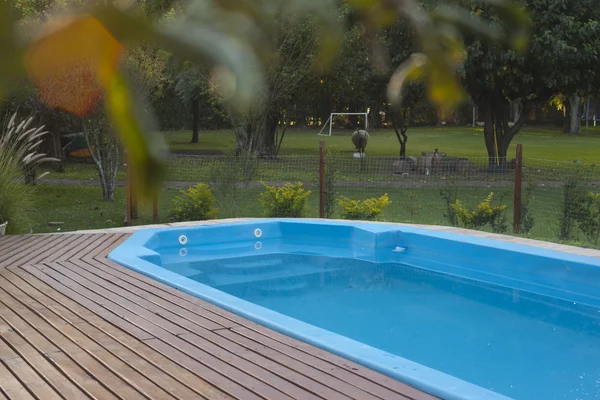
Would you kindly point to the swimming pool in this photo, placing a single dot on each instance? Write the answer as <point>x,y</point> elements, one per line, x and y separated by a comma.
<point>457,316</point>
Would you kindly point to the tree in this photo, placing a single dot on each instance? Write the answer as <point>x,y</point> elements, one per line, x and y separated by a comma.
<point>231,36</point>
<point>193,87</point>
<point>260,130</point>
<point>104,150</point>
<point>497,78</point>
<point>405,117</point>
<point>568,40</point>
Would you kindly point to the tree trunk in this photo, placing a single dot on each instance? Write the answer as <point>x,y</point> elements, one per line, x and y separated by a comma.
<point>516,110</point>
<point>497,131</point>
<point>488,132</point>
<point>403,149</point>
<point>574,111</point>
<point>269,134</point>
<point>195,118</point>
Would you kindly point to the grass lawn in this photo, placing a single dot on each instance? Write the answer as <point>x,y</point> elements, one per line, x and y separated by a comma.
<point>546,143</point>
<point>79,207</point>
<point>542,143</point>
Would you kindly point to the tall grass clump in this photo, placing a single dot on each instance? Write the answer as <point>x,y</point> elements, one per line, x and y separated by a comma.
<point>16,198</point>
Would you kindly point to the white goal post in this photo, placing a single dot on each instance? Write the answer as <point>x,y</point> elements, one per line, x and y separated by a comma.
<point>330,122</point>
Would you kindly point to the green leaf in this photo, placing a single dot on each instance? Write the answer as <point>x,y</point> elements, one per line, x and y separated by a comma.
<point>197,43</point>
<point>517,22</point>
<point>11,67</point>
<point>142,153</point>
<point>411,69</point>
<point>466,21</point>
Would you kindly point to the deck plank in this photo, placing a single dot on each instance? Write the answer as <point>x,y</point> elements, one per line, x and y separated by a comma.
<point>27,376</point>
<point>11,387</point>
<point>75,325</point>
<point>204,338</point>
<point>139,374</point>
<point>88,356</point>
<point>217,313</point>
<point>172,332</point>
<point>177,348</point>
<point>16,249</point>
<point>95,323</point>
<point>214,312</point>
<point>7,241</point>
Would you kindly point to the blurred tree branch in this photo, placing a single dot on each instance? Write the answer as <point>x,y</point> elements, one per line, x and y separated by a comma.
<point>237,36</point>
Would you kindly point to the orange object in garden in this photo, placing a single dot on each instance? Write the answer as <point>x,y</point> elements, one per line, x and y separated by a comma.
<point>70,65</point>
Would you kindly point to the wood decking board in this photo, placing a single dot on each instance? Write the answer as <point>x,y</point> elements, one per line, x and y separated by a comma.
<point>74,325</point>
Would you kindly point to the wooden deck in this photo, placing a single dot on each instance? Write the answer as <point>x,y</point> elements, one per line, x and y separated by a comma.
<point>74,325</point>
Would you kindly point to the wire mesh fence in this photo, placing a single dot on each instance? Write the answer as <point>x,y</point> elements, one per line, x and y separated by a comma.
<point>422,190</point>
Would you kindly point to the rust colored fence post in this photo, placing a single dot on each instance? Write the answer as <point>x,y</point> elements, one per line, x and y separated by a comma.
<point>134,197</point>
<point>322,179</point>
<point>518,184</point>
<point>128,195</point>
<point>155,208</point>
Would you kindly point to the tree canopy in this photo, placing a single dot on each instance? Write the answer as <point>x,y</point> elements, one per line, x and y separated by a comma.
<point>234,39</point>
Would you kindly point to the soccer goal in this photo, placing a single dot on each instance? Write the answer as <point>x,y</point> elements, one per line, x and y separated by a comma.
<point>330,121</point>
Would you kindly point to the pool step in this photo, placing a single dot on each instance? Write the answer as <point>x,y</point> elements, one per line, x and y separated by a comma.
<point>222,280</point>
<point>251,266</point>
<point>280,288</point>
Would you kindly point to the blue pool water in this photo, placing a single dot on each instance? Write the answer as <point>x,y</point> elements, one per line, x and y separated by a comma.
<point>448,319</point>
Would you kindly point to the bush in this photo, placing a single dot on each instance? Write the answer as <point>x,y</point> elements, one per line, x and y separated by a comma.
<point>588,217</point>
<point>16,198</point>
<point>484,214</point>
<point>367,210</point>
<point>194,204</point>
<point>288,201</point>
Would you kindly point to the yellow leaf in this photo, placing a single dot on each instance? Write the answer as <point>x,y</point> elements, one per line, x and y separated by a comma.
<point>362,5</point>
<point>443,87</point>
<point>120,107</point>
<point>69,64</point>
<point>411,69</point>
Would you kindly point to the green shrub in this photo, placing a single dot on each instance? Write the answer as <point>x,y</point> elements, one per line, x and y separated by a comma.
<point>588,217</point>
<point>194,204</point>
<point>484,214</point>
<point>16,198</point>
<point>366,210</point>
<point>287,201</point>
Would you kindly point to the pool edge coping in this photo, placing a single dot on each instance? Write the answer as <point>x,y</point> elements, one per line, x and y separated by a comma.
<point>540,244</point>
